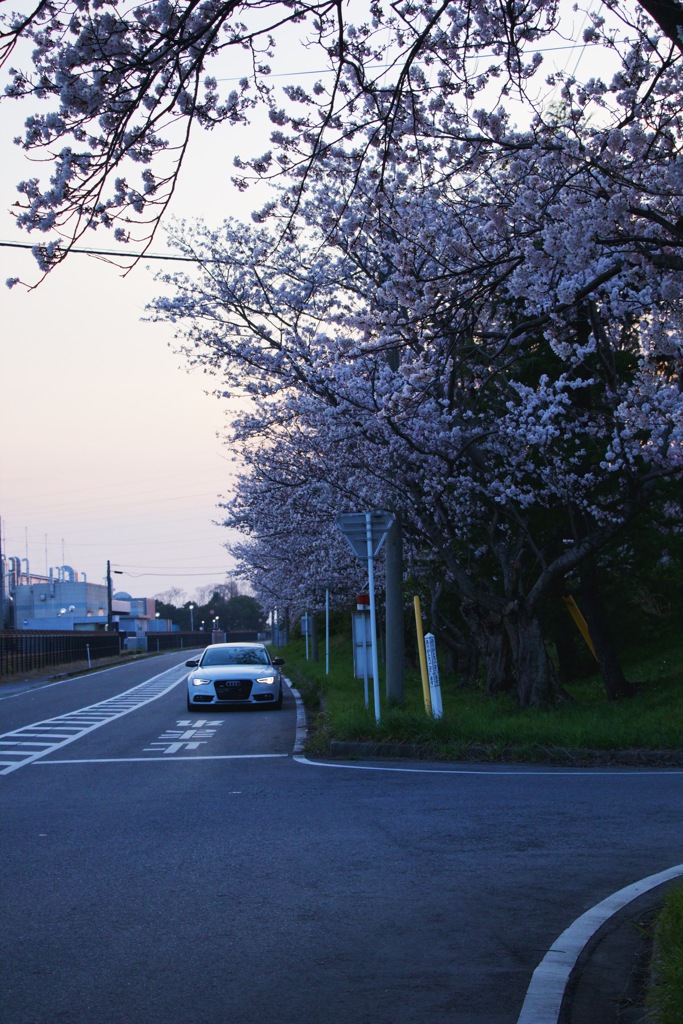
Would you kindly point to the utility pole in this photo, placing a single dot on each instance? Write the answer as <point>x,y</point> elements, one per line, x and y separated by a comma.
<point>395,654</point>
<point>109,614</point>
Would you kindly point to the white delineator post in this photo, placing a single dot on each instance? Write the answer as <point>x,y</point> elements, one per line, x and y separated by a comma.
<point>433,672</point>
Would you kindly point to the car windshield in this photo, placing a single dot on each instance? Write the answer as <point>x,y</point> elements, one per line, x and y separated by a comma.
<point>235,656</point>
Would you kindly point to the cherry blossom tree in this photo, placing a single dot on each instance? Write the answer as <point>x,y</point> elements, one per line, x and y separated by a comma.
<point>284,509</point>
<point>125,83</point>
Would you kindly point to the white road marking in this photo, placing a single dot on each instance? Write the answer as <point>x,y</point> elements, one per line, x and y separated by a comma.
<point>549,981</point>
<point>172,748</point>
<point>173,740</point>
<point>508,771</point>
<point>17,748</point>
<point>168,760</point>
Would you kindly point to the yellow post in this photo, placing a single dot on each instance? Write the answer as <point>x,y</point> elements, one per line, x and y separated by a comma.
<point>423,655</point>
<point>575,612</point>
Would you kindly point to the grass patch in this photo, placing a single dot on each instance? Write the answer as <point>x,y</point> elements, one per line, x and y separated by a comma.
<point>665,996</point>
<point>648,721</point>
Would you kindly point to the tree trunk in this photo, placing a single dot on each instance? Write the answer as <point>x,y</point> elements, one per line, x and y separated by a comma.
<point>463,655</point>
<point>313,638</point>
<point>616,683</point>
<point>498,664</point>
<point>494,649</point>
<point>537,682</point>
<point>462,652</point>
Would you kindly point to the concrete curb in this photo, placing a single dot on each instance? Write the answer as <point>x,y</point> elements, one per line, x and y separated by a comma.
<point>301,720</point>
<point>550,980</point>
<point>573,758</point>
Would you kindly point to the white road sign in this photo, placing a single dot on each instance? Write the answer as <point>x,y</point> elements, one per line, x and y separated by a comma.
<point>354,526</point>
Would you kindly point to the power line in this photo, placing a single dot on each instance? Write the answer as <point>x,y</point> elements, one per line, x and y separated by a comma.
<point>115,254</point>
<point>174,575</point>
<point>162,568</point>
<point>379,67</point>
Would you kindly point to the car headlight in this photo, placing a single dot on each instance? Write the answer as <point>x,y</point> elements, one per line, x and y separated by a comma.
<point>201,682</point>
<point>267,680</point>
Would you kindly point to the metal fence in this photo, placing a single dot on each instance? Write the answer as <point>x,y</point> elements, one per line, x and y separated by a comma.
<point>30,649</point>
<point>175,641</point>
<point>180,641</point>
<point>27,650</point>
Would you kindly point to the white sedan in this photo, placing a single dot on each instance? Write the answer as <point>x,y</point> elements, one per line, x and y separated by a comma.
<point>228,675</point>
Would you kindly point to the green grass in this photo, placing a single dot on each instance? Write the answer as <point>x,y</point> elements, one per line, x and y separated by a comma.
<point>665,996</point>
<point>650,720</point>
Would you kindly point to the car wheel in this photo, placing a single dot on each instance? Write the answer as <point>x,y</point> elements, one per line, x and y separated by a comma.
<point>278,702</point>
<point>191,706</point>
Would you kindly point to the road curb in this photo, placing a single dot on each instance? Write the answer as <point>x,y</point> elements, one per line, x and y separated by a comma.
<point>574,758</point>
<point>551,981</point>
<point>301,721</point>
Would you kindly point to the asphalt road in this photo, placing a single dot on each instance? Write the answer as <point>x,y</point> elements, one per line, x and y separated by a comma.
<point>166,868</point>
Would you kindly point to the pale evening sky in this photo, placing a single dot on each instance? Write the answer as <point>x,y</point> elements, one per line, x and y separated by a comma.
<point>109,448</point>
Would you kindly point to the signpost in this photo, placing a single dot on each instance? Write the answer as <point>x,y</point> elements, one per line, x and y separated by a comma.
<point>365,533</point>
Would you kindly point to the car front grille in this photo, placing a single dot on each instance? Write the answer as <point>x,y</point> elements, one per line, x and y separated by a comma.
<point>232,689</point>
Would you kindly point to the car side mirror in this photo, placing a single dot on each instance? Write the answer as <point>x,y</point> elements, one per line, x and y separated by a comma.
<point>192,664</point>
<point>278,661</point>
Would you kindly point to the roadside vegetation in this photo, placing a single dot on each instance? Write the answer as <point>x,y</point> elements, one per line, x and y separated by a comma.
<point>665,997</point>
<point>475,724</point>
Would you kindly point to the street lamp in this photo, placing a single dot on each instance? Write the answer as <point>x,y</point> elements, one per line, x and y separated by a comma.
<point>191,618</point>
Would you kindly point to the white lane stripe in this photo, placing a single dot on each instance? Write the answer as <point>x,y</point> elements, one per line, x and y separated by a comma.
<point>17,754</point>
<point>25,745</point>
<point>45,732</point>
<point>88,719</point>
<point>170,757</point>
<point>509,771</point>
<point>549,981</point>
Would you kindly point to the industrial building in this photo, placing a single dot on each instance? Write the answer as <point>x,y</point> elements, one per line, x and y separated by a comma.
<point>66,601</point>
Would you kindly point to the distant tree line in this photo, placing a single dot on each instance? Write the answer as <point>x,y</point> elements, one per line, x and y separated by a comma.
<point>224,606</point>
